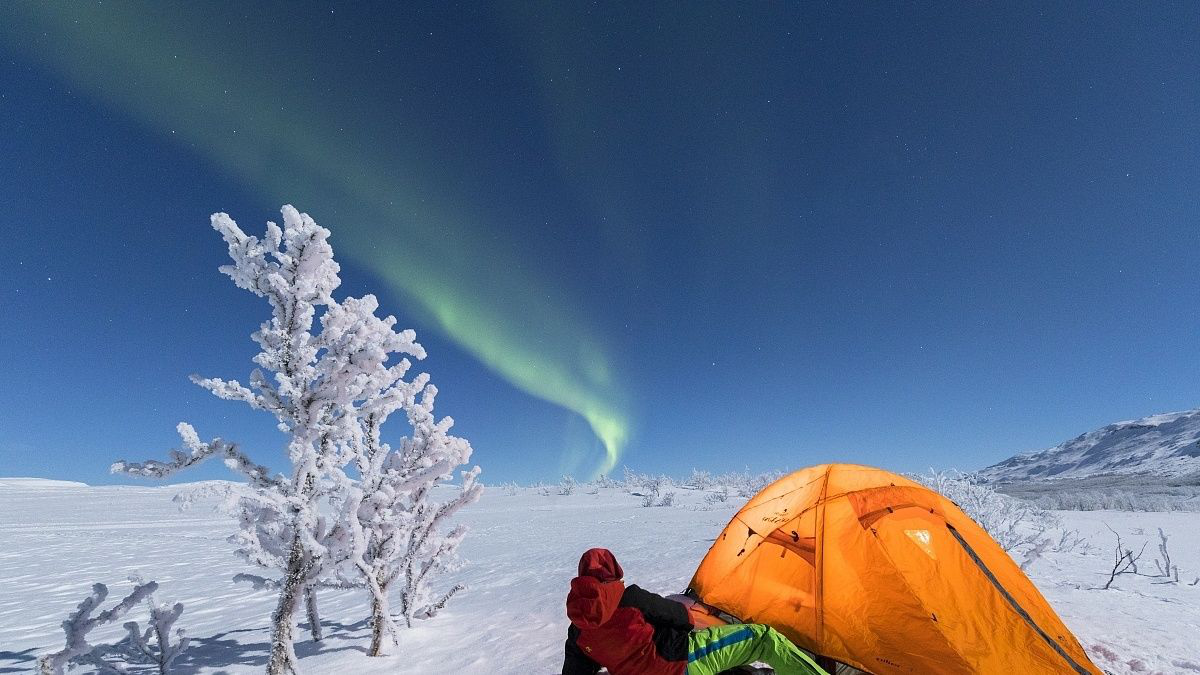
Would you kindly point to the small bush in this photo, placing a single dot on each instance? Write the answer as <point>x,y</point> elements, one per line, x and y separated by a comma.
<point>700,480</point>
<point>567,485</point>
<point>719,497</point>
<point>650,498</point>
<point>156,647</point>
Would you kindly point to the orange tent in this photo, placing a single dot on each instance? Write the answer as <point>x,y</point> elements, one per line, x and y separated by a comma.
<point>880,573</point>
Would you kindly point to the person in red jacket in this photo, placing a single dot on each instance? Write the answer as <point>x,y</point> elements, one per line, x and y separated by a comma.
<point>632,631</point>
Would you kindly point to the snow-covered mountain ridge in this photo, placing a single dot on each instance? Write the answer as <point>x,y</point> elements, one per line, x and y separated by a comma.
<point>1158,445</point>
<point>39,483</point>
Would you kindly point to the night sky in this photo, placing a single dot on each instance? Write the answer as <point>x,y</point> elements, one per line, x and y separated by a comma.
<point>724,236</point>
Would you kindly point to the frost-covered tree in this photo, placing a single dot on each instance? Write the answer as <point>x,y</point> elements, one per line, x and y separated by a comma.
<point>567,485</point>
<point>396,528</point>
<point>700,480</point>
<point>314,383</point>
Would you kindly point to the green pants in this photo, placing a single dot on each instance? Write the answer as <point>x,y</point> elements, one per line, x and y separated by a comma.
<point>723,647</point>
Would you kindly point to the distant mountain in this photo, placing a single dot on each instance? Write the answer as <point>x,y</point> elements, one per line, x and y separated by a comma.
<point>38,483</point>
<point>1159,445</point>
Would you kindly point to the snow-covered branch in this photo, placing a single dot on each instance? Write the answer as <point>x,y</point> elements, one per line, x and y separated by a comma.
<point>196,452</point>
<point>430,552</point>
<point>81,622</point>
<point>157,644</point>
<point>1166,568</point>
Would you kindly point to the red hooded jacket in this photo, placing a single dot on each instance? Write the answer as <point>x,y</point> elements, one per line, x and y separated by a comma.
<point>630,631</point>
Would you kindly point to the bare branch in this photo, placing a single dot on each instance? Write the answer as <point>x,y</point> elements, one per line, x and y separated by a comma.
<point>1124,559</point>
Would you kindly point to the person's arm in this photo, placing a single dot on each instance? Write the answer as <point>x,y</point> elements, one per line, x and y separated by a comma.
<point>576,662</point>
<point>656,608</point>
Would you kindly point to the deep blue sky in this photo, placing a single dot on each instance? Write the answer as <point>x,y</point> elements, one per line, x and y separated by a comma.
<point>902,236</point>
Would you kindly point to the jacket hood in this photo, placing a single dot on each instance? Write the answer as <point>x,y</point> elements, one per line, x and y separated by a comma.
<point>601,564</point>
<point>591,602</point>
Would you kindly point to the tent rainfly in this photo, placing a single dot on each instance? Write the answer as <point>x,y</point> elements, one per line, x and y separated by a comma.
<point>880,573</point>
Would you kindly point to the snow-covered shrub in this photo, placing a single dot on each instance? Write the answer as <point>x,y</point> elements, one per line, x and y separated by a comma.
<point>543,489</point>
<point>745,484</point>
<point>658,483</point>
<point>1115,499</point>
<point>432,552</point>
<point>157,645</point>
<point>1163,562</point>
<point>631,480</point>
<point>653,495</point>
<point>719,496</point>
<point>1013,523</point>
<point>1070,540</point>
<point>1034,552</point>
<point>650,497</point>
<point>604,481</point>
<point>78,651</point>
<point>322,385</point>
<point>511,488</point>
<point>699,480</point>
<point>758,482</point>
<point>567,485</point>
<point>741,482</point>
<point>394,520</point>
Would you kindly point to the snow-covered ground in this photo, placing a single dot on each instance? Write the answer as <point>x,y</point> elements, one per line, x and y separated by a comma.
<point>59,538</point>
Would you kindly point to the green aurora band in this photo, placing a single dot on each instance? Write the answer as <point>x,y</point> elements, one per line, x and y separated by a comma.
<point>255,125</point>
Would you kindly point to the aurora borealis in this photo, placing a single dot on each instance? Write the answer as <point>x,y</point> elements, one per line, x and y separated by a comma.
<point>660,236</point>
<point>427,248</point>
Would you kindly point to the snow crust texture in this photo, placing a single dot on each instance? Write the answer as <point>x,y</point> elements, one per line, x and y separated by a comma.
<point>521,555</point>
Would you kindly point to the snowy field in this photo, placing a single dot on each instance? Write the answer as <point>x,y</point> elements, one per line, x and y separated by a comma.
<point>59,538</point>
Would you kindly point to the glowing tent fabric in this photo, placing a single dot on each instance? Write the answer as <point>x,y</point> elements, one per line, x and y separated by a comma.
<point>878,572</point>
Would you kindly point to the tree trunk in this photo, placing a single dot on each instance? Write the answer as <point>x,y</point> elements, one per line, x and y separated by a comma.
<point>314,618</point>
<point>379,620</point>
<point>407,596</point>
<point>163,640</point>
<point>283,652</point>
